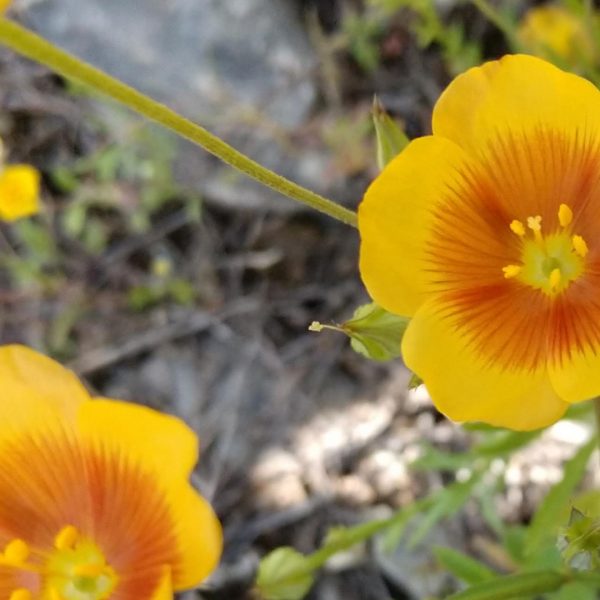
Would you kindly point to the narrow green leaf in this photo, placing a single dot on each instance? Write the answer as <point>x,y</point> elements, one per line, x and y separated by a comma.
<point>391,139</point>
<point>463,567</point>
<point>505,442</point>
<point>513,586</point>
<point>446,503</point>
<point>546,521</point>
<point>284,574</point>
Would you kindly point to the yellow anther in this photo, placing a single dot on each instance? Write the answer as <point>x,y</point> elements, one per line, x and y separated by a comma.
<point>66,538</point>
<point>16,552</point>
<point>21,594</point>
<point>565,215</point>
<point>517,227</point>
<point>511,271</point>
<point>90,570</point>
<point>535,224</point>
<point>554,279</point>
<point>579,245</point>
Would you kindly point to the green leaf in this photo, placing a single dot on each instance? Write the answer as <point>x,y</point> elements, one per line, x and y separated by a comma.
<point>505,442</point>
<point>513,586</point>
<point>547,519</point>
<point>463,567</point>
<point>373,332</point>
<point>284,574</point>
<point>578,590</point>
<point>391,139</point>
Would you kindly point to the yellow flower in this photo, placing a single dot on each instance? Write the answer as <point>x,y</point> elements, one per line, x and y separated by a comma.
<point>487,234</point>
<point>4,4</point>
<point>553,32</point>
<point>19,192</point>
<point>95,501</point>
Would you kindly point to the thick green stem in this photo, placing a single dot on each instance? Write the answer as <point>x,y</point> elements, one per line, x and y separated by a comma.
<point>32,46</point>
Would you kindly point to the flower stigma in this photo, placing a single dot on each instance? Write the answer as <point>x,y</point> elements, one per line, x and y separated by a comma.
<point>548,262</point>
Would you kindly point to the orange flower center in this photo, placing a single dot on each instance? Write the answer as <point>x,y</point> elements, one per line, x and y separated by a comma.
<point>75,569</point>
<point>548,262</point>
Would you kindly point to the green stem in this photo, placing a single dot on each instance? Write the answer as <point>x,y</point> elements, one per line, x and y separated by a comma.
<point>32,46</point>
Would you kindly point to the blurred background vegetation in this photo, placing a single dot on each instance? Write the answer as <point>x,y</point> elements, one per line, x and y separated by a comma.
<point>165,278</point>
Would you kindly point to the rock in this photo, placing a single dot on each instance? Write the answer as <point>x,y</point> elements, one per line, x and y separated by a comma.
<point>242,68</point>
<point>200,57</point>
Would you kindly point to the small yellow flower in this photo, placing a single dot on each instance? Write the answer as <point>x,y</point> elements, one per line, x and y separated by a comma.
<point>95,501</point>
<point>4,4</point>
<point>19,192</point>
<point>487,234</point>
<point>553,32</point>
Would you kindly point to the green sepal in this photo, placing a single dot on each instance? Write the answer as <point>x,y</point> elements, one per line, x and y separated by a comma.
<point>373,332</point>
<point>391,139</point>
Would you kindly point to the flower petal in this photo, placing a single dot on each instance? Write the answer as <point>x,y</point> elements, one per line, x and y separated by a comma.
<point>167,447</point>
<point>199,535</point>
<point>165,588</point>
<point>160,442</point>
<point>19,191</point>
<point>35,389</point>
<point>395,221</point>
<point>465,387</point>
<point>515,94</point>
<point>577,378</point>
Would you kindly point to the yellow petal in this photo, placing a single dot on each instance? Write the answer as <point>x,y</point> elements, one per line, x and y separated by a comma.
<point>395,221</point>
<point>164,591</point>
<point>19,192</point>
<point>578,378</point>
<point>160,442</point>
<point>515,94</point>
<point>466,387</point>
<point>4,4</point>
<point>200,537</point>
<point>35,390</point>
<point>163,445</point>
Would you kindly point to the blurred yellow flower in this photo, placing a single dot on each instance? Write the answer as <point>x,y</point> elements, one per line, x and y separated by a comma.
<point>4,4</point>
<point>19,192</point>
<point>487,234</point>
<point>95,501</point>
<point>554,33</point>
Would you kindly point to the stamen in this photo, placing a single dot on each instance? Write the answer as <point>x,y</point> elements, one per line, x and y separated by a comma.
<point>554,279</point>
<point>16,552</point>
<point>517,227</point>
<point>535,224</point>
<point>21,594</point>
<point>511,271</point>
<point>579,245</point>
<point>66,538</point>
<point>565,215</point>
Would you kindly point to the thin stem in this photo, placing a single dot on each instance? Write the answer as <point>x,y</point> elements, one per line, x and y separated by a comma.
<point>27,43</point>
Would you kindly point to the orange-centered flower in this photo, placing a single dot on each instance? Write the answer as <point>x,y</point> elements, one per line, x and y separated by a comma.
<point>487,234</point>
<point>94,495</point>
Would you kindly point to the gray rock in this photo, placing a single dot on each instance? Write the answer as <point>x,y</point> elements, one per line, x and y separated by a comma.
<point>198,56</point>
<point>243,68</point>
